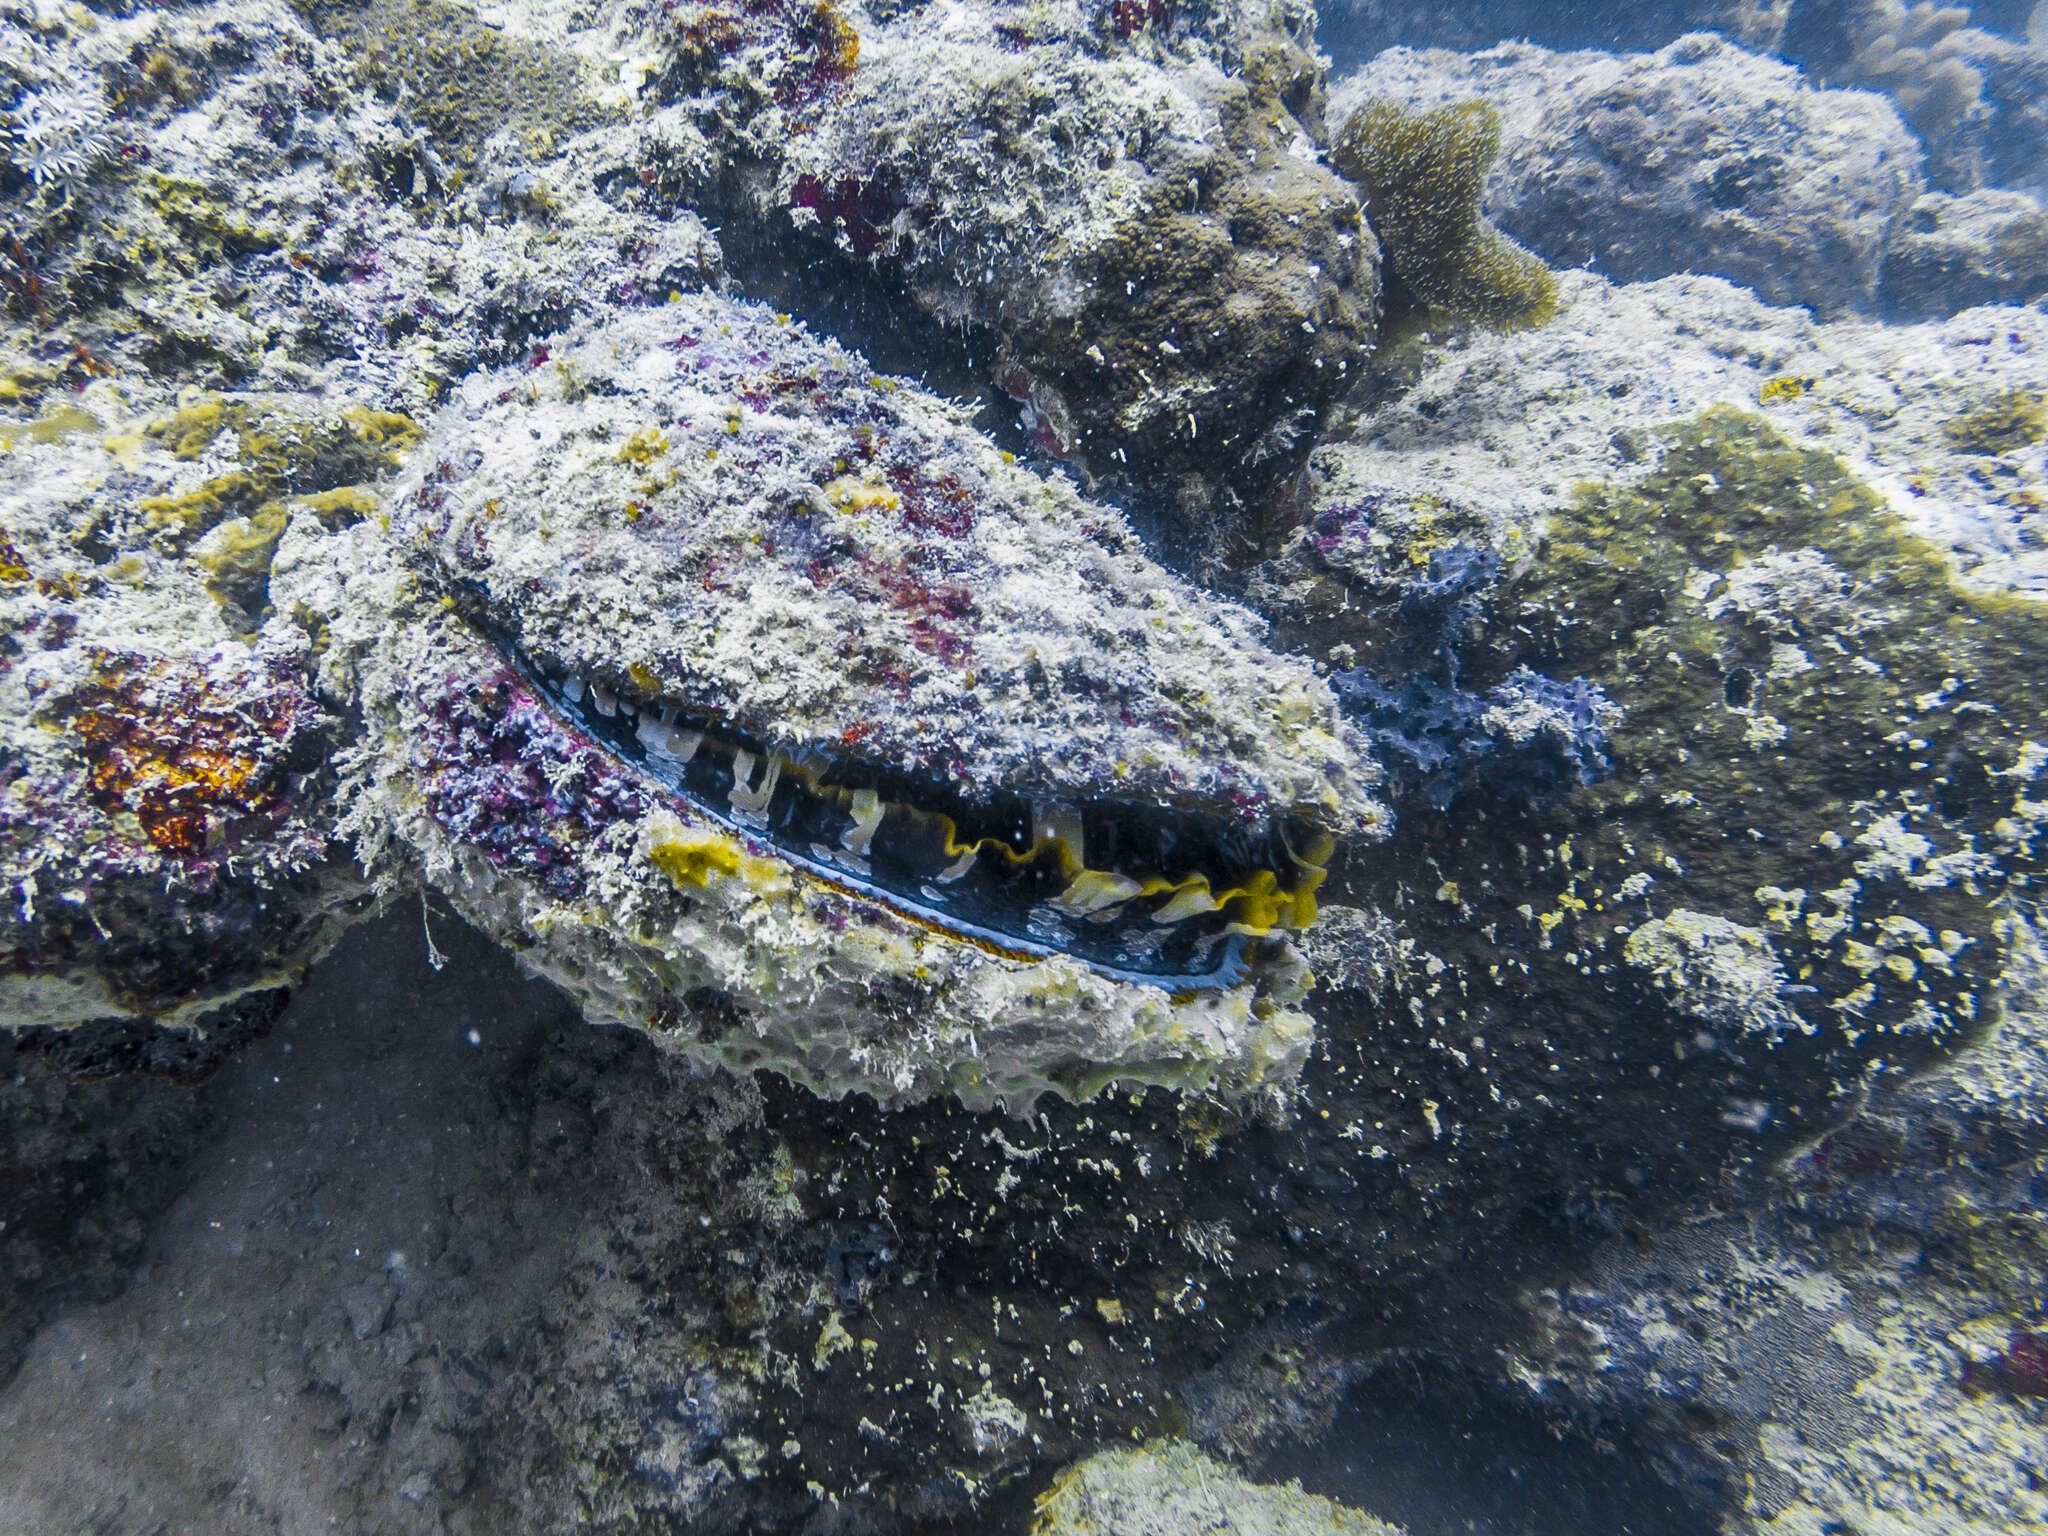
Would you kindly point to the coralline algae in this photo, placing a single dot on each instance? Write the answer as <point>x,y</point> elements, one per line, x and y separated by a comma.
<point>757,702</point>
<point>164,821</point>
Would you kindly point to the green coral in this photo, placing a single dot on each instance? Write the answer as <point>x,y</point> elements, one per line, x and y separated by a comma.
<point>2017,418</point>
<point>1822,728</point>
<point>1422,174</point>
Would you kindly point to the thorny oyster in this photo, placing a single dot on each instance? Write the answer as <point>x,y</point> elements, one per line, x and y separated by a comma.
<point>757,701</point>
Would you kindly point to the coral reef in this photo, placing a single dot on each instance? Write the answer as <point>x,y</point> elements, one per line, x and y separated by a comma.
<point>270,223</point>
<point>1169,1487</point>
<point>1948,253</point>
<point>1753,581</point>
<point>1771,869</point>
<point>459,79</point>
<point>1727,544</point>
<point>395,508</point>
<point>1423,174</point>
<point>1701,157</point>
<point>1473,437</point>
<point>1764,629</point>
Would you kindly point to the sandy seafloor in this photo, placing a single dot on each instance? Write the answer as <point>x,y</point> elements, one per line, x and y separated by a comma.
<point>364,1142</point>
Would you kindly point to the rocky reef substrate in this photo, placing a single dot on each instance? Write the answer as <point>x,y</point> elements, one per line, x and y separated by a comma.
<point>1440,782</point>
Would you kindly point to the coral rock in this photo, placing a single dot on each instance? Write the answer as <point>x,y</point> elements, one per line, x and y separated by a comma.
<point>1177,280</point>
<point>1948,253</point>
<point>1169,1488</point>
<point>1701,157</point>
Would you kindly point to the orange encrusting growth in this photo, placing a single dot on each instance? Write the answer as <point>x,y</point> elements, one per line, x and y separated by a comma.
<point>196,764</point>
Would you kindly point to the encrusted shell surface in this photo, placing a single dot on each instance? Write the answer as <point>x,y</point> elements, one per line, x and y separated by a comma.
<point>705,502</point>
<point>701,504</point>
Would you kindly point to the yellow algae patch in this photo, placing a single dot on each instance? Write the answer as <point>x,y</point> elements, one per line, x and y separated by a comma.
<point>48,428</point>
<point>697,855</point>
<point>870,949</point>
<point>832,1339</point>
<point>240,548</point>
<point>196,510</point>
<point>190,430</point>
<point>643,447</point>
<point>849,493</point>
<point>1786,387</point>
<point>1171,1485</point>
<point>343,505</point>
<point>394,428</point>
<point>1296,705</point>
<point>24,384</point>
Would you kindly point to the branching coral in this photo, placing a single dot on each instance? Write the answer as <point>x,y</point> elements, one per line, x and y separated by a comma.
<point>1920,57</point>
<point>1423,173</point>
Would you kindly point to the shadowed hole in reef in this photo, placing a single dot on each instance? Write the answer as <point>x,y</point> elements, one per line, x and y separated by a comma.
<point>1439,1459</point>
<point>871,313</point>
<point>449,1149</point>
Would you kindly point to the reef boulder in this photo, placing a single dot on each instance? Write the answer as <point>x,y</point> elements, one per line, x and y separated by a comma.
<point>1950,252</point>
<point>1700,157</point>
<point>1132,201</point>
